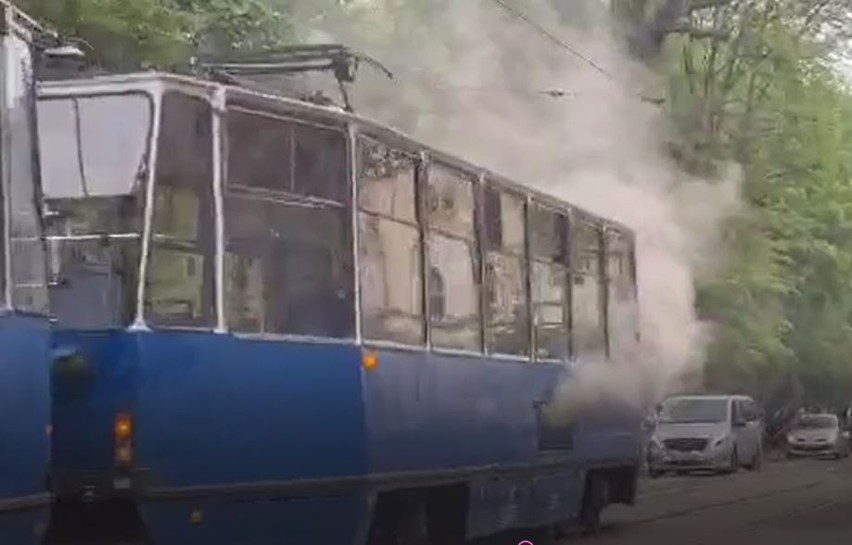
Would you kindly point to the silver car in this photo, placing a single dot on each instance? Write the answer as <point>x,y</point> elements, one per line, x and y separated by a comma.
<point>818,435</point>
<point>718,433</point>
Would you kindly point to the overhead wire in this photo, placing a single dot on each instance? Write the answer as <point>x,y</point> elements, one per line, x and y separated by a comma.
<point>524,18</point>
<point>518,14</point>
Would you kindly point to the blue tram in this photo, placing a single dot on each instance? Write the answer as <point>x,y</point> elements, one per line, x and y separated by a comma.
<point>24,326</point>
<point>281,322</point>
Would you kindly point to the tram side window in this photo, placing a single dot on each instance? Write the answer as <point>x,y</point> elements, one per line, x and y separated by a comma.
<point>390,268</point>
<point>507,322</point>
<point>288,263</point>
<point>548,252</point>
<point>453,260</point>
<point>622,314</point>
<point>265,163</point>
<point>587,302</point>
<point>180,280</point>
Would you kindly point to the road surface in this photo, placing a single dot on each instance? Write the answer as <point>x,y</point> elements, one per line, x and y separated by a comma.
<point>797,502</point>
<point>802,502</point>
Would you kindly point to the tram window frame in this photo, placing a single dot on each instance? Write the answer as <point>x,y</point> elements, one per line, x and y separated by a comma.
<point>449,237</point>
<point>272,246</point>
<point>79,217</point>
<point>588,340</point>
<point>399,213</point>
<point>552,257</point>
<point>27,267</point>
<point>497,249</point>
<point>199,248</point>
<point>622,297</point>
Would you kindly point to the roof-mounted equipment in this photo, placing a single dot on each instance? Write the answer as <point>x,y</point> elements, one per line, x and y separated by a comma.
<point>292,59</point>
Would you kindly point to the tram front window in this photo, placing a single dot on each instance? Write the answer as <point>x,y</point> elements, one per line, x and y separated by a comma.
<point>94,154</point>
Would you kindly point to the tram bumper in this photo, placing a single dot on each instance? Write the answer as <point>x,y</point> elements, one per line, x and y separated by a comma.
<point>100,485</point>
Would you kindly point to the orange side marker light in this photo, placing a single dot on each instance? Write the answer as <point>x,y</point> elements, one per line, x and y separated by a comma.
<point>123,426</point>
<point>369,360</point>
<point>196,517</point>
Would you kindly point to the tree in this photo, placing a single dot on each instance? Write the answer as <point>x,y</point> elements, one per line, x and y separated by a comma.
<point>129,34</point>
<point>756,86</point>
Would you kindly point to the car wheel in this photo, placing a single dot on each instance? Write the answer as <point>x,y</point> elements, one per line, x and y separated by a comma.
<point>655,473</point>
<point>733,464</point>
<point>756,462</point>
<point>596,497</point>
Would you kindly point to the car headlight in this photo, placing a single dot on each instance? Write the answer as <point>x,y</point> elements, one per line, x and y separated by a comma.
<point>719,441</point>
<point>656,444</point>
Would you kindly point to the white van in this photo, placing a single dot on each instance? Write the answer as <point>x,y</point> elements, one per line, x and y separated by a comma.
<point>701,432</point>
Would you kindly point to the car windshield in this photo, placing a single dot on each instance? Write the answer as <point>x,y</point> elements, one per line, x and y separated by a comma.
<point>694,410</point>
<point>817,422</point>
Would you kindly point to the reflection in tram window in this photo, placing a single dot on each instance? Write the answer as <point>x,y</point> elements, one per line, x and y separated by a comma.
<point>180,280</point>
<point>505,282</point>
<point>289,268</point>
<point>587,302</point>
<point>93,185</point>
<point>390,272</point>
<point>458,326</point>
<point>390,268</point>
<point>622,313</point>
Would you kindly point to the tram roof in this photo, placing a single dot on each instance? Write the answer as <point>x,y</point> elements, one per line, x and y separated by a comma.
<point>152,81</point>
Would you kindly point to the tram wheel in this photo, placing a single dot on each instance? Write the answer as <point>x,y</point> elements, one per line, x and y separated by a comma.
<point>413,526</point>
<point>595,498</point>
<point>399,519</point>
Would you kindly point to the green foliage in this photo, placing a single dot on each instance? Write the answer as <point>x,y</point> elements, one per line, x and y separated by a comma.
<point>761,92</point>
<point>128,34</point>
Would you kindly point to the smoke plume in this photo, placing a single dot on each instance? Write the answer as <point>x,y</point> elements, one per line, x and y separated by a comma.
<point>477,81</point>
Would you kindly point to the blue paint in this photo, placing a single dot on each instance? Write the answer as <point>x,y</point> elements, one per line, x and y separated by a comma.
<point>86,397</point>
<point>24,419</point>
<point>427,411</point>
<point>217,409</point>
<point>318,520</point>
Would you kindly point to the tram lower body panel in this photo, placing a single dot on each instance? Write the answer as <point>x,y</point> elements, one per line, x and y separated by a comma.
<point>229,434</point>
<point>498,426</point>
<point>272,437</point>
<point>24,426</point>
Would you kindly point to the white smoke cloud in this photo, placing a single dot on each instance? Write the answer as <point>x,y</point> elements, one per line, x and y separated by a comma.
<point>470,79</point>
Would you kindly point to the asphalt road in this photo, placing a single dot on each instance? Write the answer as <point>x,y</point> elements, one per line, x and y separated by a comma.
<point>796,502</point>
<point>801,502</point>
